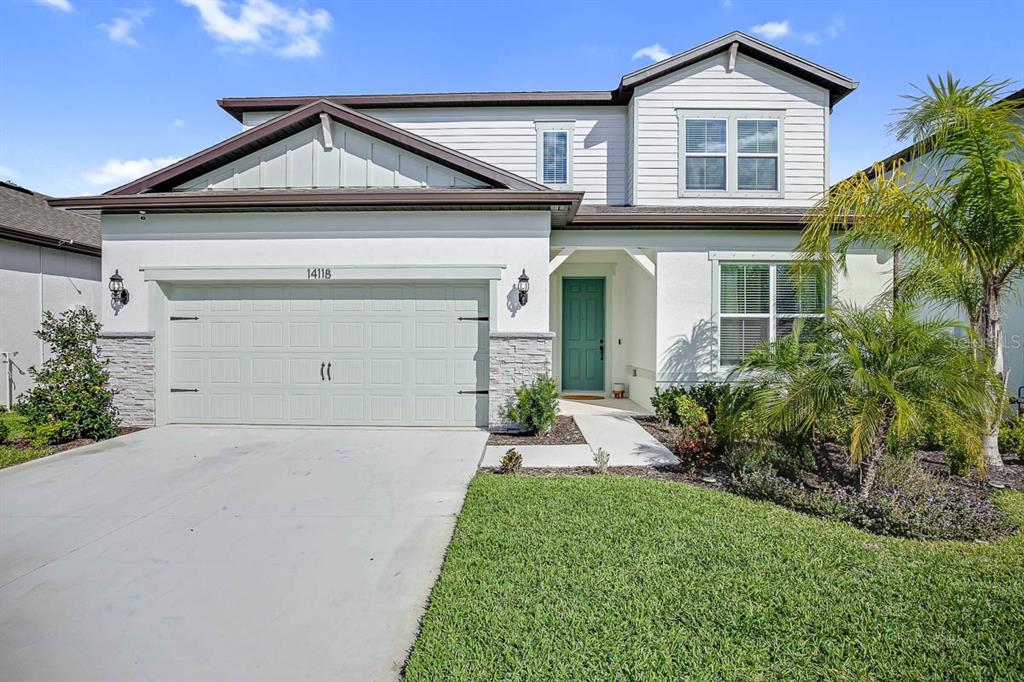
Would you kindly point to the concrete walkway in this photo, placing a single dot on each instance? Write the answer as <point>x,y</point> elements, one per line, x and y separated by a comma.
<point>605,424</point>
<point>247,553</point>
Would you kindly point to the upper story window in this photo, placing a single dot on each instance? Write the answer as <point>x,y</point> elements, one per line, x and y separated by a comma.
<point>761,302</point>
<point>730,153</point>
<point>554,153</point>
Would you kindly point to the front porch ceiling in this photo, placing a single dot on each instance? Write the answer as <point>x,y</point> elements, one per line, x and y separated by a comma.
<point>562,254</point>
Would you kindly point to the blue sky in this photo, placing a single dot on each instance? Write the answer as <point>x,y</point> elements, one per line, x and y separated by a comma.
<point>96,92</point>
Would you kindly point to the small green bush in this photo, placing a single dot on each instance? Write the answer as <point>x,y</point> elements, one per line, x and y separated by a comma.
<point>709,395</point>
<point>694,443</point>
<point>511,462</point>
<point>664,403</point>
<point>5,432</point>
<point>71,386</point>
<point>52,433</point>
<point>535,406</point>
<point>1011,436</point>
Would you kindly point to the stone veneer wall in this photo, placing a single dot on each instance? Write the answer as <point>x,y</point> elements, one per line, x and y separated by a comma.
<point>132,368</point>
<point>515,358</point>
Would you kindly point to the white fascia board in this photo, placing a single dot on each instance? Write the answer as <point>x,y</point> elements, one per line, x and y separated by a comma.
<point>316,273</point>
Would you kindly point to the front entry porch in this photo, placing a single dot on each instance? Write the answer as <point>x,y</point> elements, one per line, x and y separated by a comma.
<point>602,310</point>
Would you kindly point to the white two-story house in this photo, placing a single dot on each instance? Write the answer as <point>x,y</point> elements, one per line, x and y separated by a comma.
<point>412,259</point>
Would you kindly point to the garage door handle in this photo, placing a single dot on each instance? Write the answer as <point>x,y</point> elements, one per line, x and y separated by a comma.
<point>184,390</point>
<point>176,318</point>
<point>474,392</point>
<point>475,319</point>
<point>322,371</point>
<point>328,371</point>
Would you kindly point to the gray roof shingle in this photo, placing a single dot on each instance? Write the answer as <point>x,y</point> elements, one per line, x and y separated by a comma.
<point>25,215</point>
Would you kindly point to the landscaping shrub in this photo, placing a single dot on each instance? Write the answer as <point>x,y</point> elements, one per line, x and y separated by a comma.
<point>695,439</point>
<point>708,395</point>
<point>511,462</point>
<point>71,393</point>
<point>940,514</point>
<point>601,458</point>
<point>664,403</point>
<point>1011,436</point>
<point>5,432</point>
<point>52,433</point>
<point>535,406</point>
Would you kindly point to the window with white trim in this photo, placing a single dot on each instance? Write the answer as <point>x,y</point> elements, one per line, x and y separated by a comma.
<point>733,153</point>
<point>705,154</point>
<point>757,155</point>
<point>554,153</point>
<point>761,302</point>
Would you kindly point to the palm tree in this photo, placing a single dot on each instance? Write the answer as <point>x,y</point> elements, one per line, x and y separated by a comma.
<point>958,209</point>
<point>887,368</point>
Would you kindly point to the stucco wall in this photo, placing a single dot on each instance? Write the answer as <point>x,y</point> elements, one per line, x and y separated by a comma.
<point>684,344</point>
<point>516,239</point>
<point>34,279</point>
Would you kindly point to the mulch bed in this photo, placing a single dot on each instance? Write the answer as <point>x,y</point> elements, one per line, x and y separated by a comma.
<point>565,432</point>
<point>657,472</point>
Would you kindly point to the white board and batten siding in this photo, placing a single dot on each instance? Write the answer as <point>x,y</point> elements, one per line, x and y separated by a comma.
<point>354,159</point>
<point>708,85</point>
<point>507,138</point>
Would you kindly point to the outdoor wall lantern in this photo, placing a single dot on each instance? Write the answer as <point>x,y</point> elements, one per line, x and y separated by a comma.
<point>523,287</point>
<point>118,294</point>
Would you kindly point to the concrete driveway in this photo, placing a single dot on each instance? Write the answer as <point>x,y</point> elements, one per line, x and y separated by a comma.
<point>227,553</point>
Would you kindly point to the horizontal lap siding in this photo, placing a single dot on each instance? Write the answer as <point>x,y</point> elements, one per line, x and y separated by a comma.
<point>507,138</point>
<point>708,85</point>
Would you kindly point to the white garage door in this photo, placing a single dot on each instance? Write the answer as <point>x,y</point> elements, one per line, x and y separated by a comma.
<point>381,354</point>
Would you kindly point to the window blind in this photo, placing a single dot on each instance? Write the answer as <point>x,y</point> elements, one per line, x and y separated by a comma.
<point>556,162</point>
<point>739,336</point>
<point>745,288</point>
<point>799,294</point>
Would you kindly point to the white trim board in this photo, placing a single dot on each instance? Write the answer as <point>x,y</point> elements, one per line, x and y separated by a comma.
<point>301,273</point>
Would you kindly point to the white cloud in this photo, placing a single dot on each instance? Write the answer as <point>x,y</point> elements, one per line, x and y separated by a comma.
<point>116,171</point>
<point>654,52</point>
<point>177,123</point>
<point>120,30</point>
<point>62,5</point>
<point>264,24</point>
<point>8,173</point>
<point>830,32</point>
<point>771,30</point>
<point>726,3</point>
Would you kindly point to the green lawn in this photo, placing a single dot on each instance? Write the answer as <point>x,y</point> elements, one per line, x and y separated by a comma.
<point>11,455</point>
<point>613,578</point>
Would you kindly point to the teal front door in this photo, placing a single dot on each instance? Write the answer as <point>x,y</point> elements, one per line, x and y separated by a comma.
<point>583,334</point>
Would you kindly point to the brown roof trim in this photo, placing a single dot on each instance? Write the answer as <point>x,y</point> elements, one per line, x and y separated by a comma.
<point>402,199</point>
<point>37,239</point>
<point>283,126</point>
<point>677,221</point>
<point>237,105</point>
<point>838,85</point>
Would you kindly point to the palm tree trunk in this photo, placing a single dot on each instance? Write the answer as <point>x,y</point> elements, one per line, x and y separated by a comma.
<point>873,458</point>
<point>992,333</point>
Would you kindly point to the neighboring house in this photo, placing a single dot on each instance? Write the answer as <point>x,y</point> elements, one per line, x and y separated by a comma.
<point>49,260</point>
<point>922,166</point>
<point>359,259</point>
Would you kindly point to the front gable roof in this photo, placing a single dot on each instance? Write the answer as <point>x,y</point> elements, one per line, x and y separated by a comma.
<point>261,136</point>
<point>839,86</point>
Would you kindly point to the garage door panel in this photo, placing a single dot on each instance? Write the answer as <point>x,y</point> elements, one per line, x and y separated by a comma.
<point>398,354</point>
<point>268,408</point>
<point>267,334</point>
<point>348,335</point>
<point>268,370</point>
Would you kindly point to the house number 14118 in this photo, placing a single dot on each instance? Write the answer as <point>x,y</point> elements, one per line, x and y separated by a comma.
<point>318,273</point>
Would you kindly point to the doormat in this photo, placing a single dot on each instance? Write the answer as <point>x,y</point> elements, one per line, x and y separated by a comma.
<point>582,397</point>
